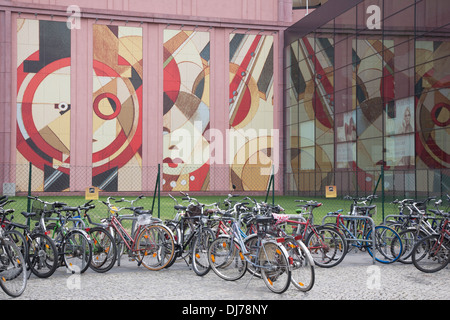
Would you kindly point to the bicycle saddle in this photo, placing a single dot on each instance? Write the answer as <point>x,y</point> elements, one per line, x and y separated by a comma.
<point>141,211</point>
<point>264,219</point>
<point>28,214</point>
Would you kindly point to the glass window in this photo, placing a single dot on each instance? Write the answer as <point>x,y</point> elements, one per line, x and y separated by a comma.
<point>346,126</point>
<point>370,153</point>
<point>369,121</point>
<point>431,14</point>
<point>325,156</point>
<point>344,99</point>
<point>346,155</point>
<point>392,7</point>
<point>307,159</point>
<point>306,134</point>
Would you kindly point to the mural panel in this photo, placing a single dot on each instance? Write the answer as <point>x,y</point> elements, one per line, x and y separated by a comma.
<point>117,108</point>
<point>251,110</point>
<point>186,110</point>
<point>43,104</point>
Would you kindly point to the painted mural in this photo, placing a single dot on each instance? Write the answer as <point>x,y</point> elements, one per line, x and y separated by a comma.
<point>432,104</point>
<point>393,95</point>
<point>186,110</point>
<point>117,108</point>
<point>251,110</point>
<point>43,104</point>
<point>311,119</point>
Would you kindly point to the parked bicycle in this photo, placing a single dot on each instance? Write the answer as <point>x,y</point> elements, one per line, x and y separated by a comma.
<point>412,224</point>
<point>301,260</point>
<point>41,253</point>
<point>13,275</point>
<point>362,234</point>
<point>104,249</point>
<point>229,256</point>
<point>432,253</point>
<point>152,244</point>
<point>74,245</point>
<point>192,235</point>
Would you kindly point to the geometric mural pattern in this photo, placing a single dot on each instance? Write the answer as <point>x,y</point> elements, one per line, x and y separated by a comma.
<point>43,103</point>
<point>117,108</point>
<point>251,110</point>
<point>186,110</point>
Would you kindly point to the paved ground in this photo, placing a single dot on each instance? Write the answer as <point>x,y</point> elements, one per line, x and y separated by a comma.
<point>356,278</point>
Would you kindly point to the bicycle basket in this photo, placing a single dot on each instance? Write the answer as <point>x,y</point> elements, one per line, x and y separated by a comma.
<point>39,207</point>
<point>144,219</point>
<point>193,210</point>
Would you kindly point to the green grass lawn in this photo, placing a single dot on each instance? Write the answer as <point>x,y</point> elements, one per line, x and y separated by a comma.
<point>166,210</point>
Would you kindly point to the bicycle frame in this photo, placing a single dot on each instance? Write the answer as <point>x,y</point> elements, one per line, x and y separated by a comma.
<point>236,234</point>
<point>127,239</point>
<point>444,233</point>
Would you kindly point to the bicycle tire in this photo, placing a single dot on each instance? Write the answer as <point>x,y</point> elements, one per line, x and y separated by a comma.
<point>104,250</point>
<point>155,247</point>
<point>77,251</point>
<point>431,253</point>
<point>252,244</point>
<point>226,258</point>
<point>199,254</point>
<point>19,239</point>
<point>302,264</point>
<point>409,238</point>
<point>176,237</point>
<point>42,257</point>
<point>275,269</point>
<point>13,275</point>
<point>327,246</point>
<point>387,242</point>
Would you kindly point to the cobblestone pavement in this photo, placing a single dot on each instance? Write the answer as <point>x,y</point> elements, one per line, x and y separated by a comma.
<point>356,278</point>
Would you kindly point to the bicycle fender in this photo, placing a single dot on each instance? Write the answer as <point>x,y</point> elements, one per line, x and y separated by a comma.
<point>83,232</point>
<point>305,248</point>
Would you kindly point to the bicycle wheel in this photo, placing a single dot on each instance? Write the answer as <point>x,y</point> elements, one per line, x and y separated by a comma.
<point>77,251</point>
<point>252,244</point>
<point>274,263</point>
<point>387,242</point>
<point>155,247</point>
<point>199,253</point>
<point>409,239</point>
<point>104,250</point>
<point>302,264</point>
<point>13,275</point>
<point>431,253</point>
<point>42,255</point>
<point>226,258</point>
<point>19,239</point>
<point>174,228</point>
<point>327,246</point>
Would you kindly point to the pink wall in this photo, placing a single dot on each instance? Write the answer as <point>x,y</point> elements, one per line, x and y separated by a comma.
<point>218,17</point>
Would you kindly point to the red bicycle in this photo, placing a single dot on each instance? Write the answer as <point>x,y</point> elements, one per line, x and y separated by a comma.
<point>152,244</point>
<point>432,253</point>
<point>326,245</point>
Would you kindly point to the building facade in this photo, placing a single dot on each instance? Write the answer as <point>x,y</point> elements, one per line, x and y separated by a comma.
<point>209,94</point>
<point>367,92</point>
<point>106,93</point>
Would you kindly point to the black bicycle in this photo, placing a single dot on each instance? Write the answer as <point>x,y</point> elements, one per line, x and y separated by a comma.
<point>192,237</point>
<point>38,249</point>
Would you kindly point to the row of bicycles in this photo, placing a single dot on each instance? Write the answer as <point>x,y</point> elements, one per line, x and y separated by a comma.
<point>230,238</point>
